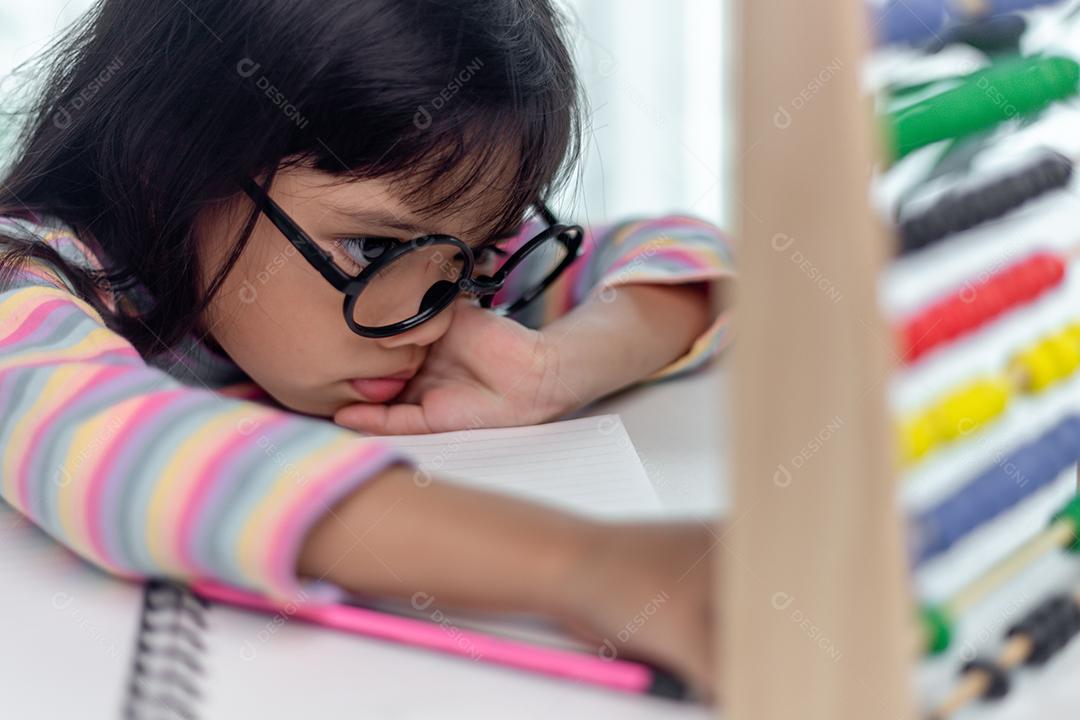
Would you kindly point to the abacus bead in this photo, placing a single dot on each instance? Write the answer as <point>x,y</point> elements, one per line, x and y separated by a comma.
<point>1015,285</point>
<point>1072,333</point>
<point>1033,280</point>
<point>997,685</point>
<point>1021,284</point>
<point>953,415</point>
<point>1053,267</point>
<point>1072,436</point>
<point>998,392</point>
<point>1071,513</point>
<point>995,298</point>
<point>932,333</point>
<point>969,315</point>
<point>1065,353</point>
<point>1049,627</point>
<point>984,404</point>
<point>937,629</point>
<point>917,437</point>
<point>1068,443</point>
<point>1039,367</point>
<point>952,323</point>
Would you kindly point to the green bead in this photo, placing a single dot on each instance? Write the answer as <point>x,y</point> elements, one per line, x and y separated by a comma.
<point>1071,512</point>
<point>937,629</point>
<point>1010,89</point>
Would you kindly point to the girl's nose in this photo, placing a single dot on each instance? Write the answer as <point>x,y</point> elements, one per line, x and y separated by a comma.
<point>424,334</point>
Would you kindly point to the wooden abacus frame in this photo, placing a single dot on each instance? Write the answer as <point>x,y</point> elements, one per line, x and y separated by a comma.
<point>815,605</point>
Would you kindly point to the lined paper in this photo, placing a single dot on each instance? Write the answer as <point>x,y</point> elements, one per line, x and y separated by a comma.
<point>587,465</point>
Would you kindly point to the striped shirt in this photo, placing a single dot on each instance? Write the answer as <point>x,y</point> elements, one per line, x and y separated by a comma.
<point>178,465</point>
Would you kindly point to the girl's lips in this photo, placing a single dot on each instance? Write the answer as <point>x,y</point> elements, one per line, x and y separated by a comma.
<point>378,389</point>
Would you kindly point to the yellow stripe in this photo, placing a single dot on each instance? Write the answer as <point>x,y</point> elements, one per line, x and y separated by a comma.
<point>97,432</point>
<point>51,395</point>
<point>31,297</point>
<point>96,341</point>
<point>268,515</point>
<point>169,498</point>
<point>696,351</point>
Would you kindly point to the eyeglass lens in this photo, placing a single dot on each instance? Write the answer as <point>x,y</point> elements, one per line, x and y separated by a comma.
<point>426,277</point>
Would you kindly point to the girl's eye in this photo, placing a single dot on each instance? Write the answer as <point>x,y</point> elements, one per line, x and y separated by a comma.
<point>488,255</point>
<point>365,250</point>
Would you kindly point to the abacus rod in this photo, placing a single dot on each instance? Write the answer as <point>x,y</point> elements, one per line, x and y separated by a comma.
<point>971,688</point>
<point>1054,537</point>
<point>974,683</point>
<point>1020,647</point>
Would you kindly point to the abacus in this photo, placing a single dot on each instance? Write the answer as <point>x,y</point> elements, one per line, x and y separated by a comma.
<point>904,540</point>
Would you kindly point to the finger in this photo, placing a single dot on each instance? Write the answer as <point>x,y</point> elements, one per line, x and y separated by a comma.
<point>397,419</point>
<point>415,390</point>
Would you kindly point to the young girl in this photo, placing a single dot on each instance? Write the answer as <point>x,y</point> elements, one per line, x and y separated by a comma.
<point>243,239</point>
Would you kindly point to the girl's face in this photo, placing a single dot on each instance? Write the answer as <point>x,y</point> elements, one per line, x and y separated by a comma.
<point>281,321</point>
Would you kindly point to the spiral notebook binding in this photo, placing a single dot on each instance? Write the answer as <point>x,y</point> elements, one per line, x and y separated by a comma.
<point>167,668</point>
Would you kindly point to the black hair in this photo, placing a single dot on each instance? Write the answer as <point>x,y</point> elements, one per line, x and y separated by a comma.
<point>148,112</point>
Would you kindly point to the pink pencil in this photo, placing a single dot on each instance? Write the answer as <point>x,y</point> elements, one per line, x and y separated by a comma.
<point>624,675</point>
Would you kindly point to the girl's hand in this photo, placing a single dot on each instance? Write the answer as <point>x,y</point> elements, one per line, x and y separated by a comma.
<point>635,590</point>
<point>491,371</point>
<point>645,591</point>
<point>486,371</point>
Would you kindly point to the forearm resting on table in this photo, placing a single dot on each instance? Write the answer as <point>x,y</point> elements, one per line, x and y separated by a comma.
<point>626,333</point>
<point>466,548</point>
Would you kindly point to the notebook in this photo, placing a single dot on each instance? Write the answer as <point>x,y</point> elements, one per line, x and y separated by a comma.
<point>587,465</point>
<point>157,651</point>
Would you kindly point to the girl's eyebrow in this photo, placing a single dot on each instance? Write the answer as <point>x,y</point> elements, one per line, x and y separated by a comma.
<point>382,218</point>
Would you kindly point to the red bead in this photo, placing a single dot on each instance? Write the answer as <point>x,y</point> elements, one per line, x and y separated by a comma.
<point>967,309</point>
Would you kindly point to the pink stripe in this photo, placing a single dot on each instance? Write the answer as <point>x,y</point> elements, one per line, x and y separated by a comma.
<point>557,304</point>
<point>690,259</point>
<point>60,358</point>
<point>324,492</point>
<point>33,321</point>
<point>99,478</point>
<point>38,276</point>
<point>197,500</point>
<point>670,221</point>
<point>102,375</point>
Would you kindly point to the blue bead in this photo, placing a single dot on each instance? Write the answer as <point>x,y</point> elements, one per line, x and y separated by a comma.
<point>909,21</point>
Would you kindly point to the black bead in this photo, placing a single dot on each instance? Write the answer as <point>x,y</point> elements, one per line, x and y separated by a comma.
<point>998,686</point>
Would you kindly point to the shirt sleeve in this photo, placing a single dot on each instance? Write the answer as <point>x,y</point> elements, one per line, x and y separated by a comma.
<point>670,249</point>
<point>144,476</point>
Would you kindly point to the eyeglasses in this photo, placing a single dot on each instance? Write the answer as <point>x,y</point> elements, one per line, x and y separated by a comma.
<point>403,284</point>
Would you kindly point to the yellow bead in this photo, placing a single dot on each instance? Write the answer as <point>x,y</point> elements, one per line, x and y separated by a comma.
<point>1038,365</point>
<point>957,414</point>
<point>992,397</point>
<point>1066,354</point>
<point>916,438</point>
<point>969,408</point>
<point>1072,333</point>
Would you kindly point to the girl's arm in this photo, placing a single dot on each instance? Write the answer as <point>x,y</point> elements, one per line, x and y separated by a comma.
<point>628,334</point>
<point>639,301</point>
<point>635,307</point>
<point>443,546</point>
<point>144,476</point>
